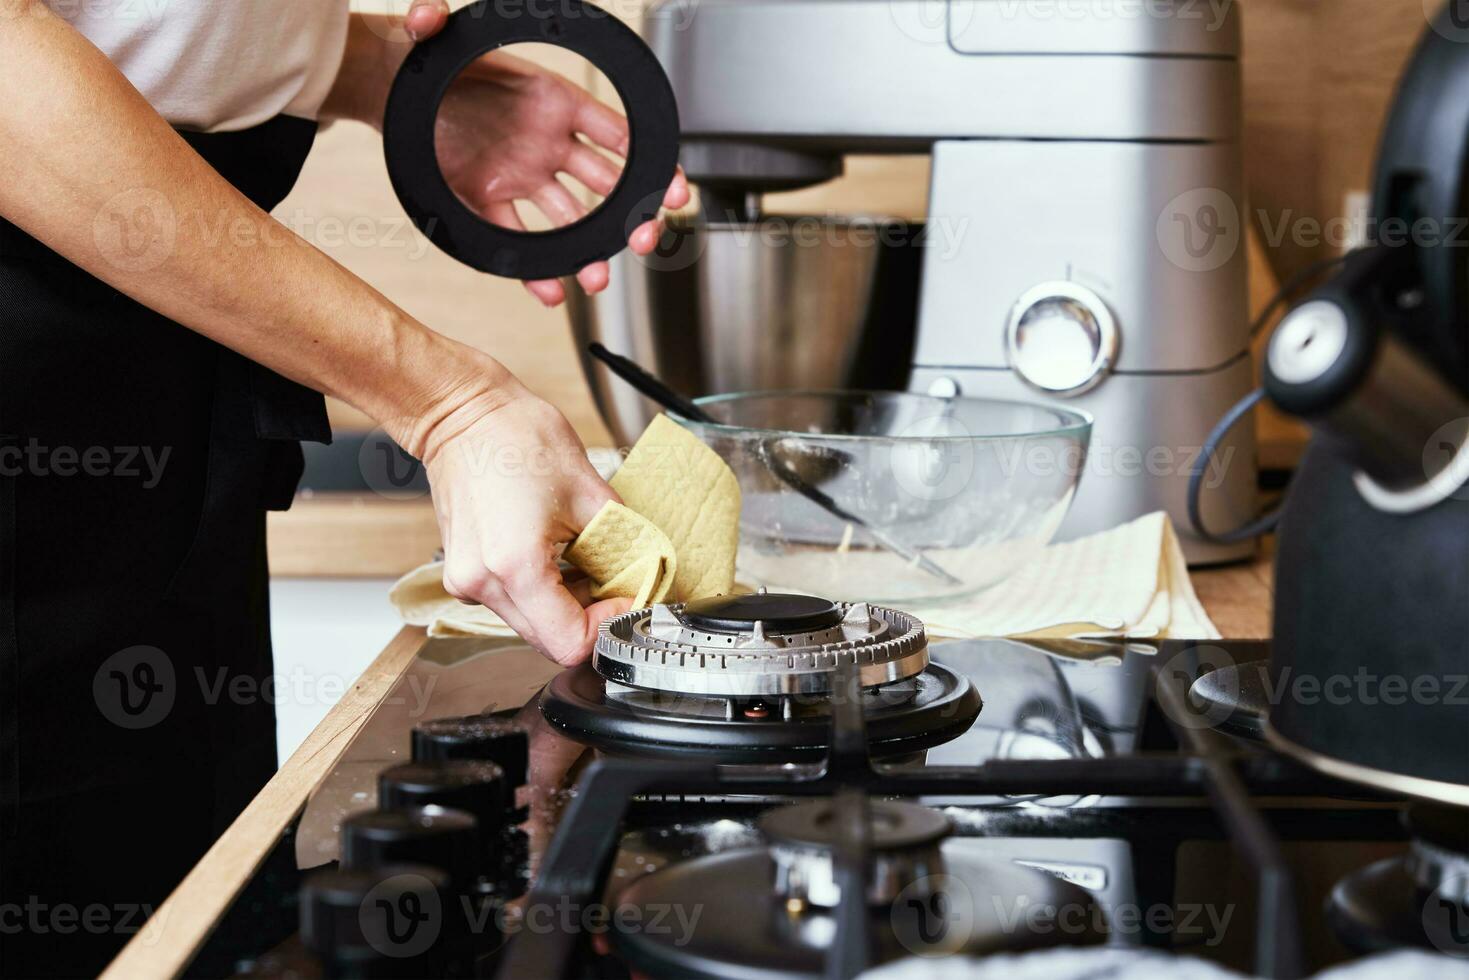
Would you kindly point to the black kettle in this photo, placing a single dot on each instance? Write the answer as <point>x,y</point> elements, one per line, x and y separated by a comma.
<point>1370,665</point>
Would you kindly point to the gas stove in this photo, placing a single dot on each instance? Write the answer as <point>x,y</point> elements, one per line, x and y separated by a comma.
<point>736,678</point>
<point>781,786</point>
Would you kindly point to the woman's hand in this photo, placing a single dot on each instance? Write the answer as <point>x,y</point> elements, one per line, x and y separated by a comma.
<point>511,484</point>
<point>507,128</point>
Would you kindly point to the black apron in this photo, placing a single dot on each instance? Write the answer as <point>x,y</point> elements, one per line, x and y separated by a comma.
<point>137,460</point>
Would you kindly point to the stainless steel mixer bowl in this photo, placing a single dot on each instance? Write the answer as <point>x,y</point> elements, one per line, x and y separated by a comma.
<point>779,303</point>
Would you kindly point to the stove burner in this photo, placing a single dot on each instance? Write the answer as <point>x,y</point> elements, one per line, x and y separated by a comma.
<point>758,646</point>
<point>904,847</point>
<point>918,713</point>
<point>922,900</point>
<point>1418,899</point>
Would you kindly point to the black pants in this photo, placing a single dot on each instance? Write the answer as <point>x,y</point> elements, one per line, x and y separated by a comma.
<point>137,460</point>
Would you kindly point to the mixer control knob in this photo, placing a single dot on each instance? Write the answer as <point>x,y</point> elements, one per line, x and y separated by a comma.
<point>1061,338</point>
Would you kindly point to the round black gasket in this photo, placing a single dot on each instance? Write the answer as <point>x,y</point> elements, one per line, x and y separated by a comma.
<point>429,70</point>
<point>577,704</point>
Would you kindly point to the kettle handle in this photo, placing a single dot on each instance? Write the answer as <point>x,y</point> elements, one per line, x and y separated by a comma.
<point>481,27</point>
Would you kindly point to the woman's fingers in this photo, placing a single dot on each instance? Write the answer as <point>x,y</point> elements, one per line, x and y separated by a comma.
<point>644,237</point>
<point>598,173</point>
<point>557,203</point>
<point>426,18</point>
<point>678,190</point>
<point>473,584</point>
<point>562,208</point>
<point>548,291</point>
<point>602,125</point>
<point>564,630</point>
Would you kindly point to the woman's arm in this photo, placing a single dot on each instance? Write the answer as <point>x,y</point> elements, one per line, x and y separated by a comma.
<point>88,168</point>
<point>93,172</point>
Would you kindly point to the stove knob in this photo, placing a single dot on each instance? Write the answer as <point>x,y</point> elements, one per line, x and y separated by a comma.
<point>502,741</point>
<point>474,786</point>
<point>380,923</point>
<point>1061,338</point>
<point>440,838</point>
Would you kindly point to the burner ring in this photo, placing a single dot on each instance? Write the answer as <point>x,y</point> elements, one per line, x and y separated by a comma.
<point>779,646</point>
<point>941,706</point>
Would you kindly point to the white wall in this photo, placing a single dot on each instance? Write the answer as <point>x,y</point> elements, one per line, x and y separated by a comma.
<point>325,631</point>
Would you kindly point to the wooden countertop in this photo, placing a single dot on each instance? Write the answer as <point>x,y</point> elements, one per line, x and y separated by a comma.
<point>1238,599</point>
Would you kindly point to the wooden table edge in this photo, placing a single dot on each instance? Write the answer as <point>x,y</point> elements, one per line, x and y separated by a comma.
<point>167,943</point>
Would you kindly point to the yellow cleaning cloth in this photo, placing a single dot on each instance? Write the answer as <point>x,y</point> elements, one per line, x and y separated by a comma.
<point>625,554</point>
<point>672,539</point>
<point>683,488</point>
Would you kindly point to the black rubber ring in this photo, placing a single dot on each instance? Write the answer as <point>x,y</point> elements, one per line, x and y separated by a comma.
<point>428,71</point>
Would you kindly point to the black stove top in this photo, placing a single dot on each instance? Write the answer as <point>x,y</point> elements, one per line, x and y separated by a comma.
<point>1093,800</point>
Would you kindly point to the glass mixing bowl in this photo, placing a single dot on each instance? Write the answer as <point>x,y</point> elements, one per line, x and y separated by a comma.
<point>976,487</point>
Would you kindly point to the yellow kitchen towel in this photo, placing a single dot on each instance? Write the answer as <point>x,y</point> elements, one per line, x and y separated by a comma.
<point>626,555</point>
<point>1128,581</point>
<point>682,486</point>
<point>673,538</point>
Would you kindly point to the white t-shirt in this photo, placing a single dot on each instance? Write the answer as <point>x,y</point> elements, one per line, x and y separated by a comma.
<point>214,65</point>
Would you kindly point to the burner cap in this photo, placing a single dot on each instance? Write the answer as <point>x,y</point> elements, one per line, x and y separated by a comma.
<point>778,611</point>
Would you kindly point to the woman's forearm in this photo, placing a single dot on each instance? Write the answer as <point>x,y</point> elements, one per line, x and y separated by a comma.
<point>93,172</point>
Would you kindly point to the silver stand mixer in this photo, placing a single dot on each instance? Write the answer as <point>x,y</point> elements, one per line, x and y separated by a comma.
<point>1084,240</point>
